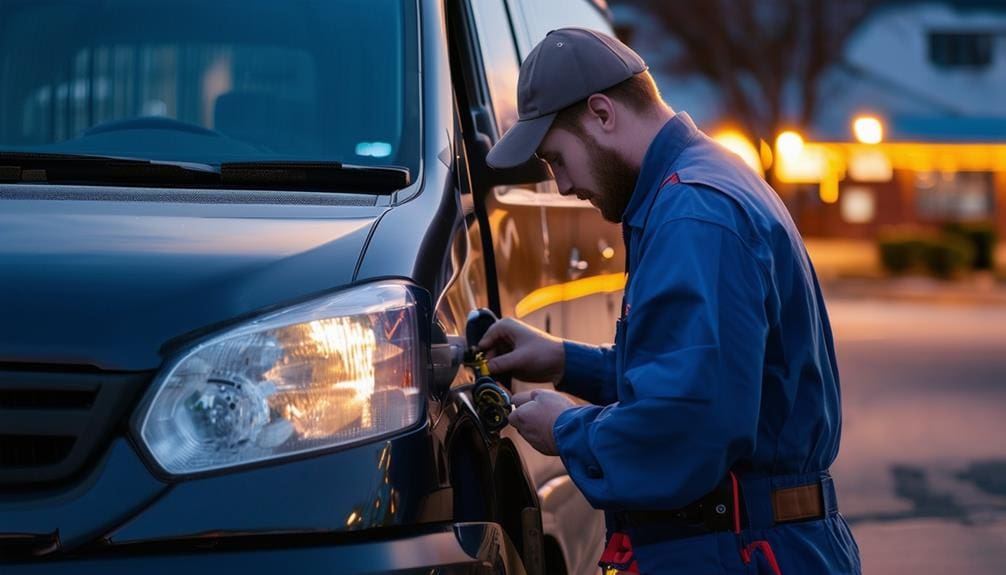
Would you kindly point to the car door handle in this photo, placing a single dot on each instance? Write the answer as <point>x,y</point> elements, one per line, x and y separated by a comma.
<point>576,265</point>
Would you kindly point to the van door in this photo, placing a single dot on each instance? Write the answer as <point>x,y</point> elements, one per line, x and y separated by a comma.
<point>590,248</point>
<point>530,244</point>
<point>518,217</point>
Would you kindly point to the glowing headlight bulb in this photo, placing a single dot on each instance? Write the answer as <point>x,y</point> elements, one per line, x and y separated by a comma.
<point>226,414</point>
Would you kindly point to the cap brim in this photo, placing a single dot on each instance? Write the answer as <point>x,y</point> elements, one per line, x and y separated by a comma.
<point>519,143</point>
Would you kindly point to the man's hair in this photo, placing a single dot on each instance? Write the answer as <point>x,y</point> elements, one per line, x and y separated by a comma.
<point>639,93</point>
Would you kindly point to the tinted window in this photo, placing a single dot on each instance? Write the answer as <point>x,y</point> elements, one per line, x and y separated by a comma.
<point>212,81</point>
<point>539,18</point>
<point>499,56</point>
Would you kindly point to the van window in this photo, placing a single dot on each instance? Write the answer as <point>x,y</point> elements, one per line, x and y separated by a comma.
<point>535,19</point>
<point>499,57</point>
<point>199,81</point>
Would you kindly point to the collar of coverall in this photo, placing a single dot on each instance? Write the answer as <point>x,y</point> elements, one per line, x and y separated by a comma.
<point>658,163</point>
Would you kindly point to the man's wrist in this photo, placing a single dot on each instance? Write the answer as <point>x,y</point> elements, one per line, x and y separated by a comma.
<point>561,354</point>
<point>577,359</point>
<point>555,442</point>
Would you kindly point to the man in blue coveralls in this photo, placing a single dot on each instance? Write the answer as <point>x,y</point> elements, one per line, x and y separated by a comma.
<point>715,415</point>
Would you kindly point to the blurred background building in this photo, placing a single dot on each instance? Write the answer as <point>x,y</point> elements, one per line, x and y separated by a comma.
<point>880,123</point>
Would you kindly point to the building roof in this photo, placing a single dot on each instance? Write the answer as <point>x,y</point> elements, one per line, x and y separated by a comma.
<point>960,4</point>
<point>946,129</point>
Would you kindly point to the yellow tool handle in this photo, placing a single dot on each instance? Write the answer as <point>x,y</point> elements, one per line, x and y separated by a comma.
<point>481,364</point>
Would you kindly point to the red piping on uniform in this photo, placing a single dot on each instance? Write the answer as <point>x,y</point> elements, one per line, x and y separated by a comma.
<point>766,551</point>
<point>737,499</point>
<point>671,179</point>
<point>763,546</point>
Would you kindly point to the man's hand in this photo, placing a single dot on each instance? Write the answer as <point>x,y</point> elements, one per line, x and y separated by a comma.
<point>515,348</point>
<point>534,417</point>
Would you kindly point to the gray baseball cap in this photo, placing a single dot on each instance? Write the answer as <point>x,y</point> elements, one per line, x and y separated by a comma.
<point>567,66</point>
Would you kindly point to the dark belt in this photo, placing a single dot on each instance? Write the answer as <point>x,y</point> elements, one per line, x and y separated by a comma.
<point>764,501</point>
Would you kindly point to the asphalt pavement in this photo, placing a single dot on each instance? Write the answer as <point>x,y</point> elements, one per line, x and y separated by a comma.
<point>922,470</point>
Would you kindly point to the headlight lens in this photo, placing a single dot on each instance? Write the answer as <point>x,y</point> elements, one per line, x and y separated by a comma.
<point>314,376</point>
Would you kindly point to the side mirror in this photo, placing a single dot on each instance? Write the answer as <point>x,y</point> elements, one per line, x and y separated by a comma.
<point>477,324</point>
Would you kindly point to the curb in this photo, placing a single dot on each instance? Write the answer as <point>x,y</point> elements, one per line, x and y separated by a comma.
<point>916,290</point>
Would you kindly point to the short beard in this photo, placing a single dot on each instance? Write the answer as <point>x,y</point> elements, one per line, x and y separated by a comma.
<point>616,178</point>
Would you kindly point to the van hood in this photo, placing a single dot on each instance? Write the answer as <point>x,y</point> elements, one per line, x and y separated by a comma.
<point>107,284</point>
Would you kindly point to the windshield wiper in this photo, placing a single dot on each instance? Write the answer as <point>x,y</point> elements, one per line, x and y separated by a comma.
<point>296,175</point>
<point>274,175</point>
<point>86,168</point>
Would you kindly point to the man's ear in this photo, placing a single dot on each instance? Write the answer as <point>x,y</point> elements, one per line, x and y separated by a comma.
<point>601,112</point>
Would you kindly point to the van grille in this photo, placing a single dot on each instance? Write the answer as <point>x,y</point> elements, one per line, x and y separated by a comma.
<point>54,422</point>
<point>47,399</point>
<point>34,450</point>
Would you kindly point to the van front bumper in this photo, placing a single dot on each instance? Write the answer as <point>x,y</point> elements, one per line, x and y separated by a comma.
<point>467,548</point>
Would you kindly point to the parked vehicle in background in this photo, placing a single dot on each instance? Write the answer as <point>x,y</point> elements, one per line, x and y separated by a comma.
<point>239,242</point>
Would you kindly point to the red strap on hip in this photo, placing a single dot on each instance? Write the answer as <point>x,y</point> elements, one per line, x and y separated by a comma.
<point>763,546</point>
<point>766,552</point>
<point>618,555</point>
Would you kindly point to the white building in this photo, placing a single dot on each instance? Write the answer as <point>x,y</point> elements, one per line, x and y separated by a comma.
<point>937,70</point>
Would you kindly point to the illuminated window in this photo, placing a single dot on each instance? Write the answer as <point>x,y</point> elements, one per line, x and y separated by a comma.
<point>858,205</point>
<point>954,195</point>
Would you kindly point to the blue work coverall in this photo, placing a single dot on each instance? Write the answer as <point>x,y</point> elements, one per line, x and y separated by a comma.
<point>723,362</point>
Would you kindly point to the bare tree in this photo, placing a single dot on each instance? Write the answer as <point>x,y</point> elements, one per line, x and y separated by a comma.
<point>765,56</point>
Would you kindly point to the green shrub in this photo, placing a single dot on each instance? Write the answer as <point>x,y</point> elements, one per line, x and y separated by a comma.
<point>981,236</point>
<point>895,256</point>
<point>902,249</point>
<point>912,249</point>
<point>949,256</point>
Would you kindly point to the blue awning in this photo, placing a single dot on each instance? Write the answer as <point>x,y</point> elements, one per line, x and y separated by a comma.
<point>945,129</point>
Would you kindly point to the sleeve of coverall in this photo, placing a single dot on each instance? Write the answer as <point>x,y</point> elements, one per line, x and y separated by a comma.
<point>695,343</point>
<point>589,372</point>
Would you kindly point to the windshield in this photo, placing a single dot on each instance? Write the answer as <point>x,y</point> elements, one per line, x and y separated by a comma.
<point>212,81</point>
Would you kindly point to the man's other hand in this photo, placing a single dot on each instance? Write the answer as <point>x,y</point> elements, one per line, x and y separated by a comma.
<point>515,348</point>
<point>534,417</point>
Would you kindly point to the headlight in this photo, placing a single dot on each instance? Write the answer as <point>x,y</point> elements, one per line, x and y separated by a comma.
<point>314,376</point>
